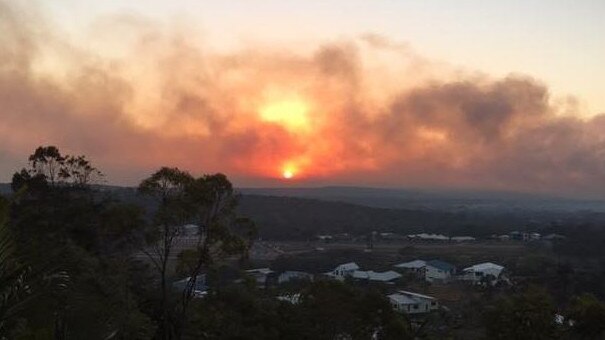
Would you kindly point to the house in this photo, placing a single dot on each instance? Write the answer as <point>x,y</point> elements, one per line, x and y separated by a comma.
<point>438,271</point>
<point>416,267</point>
<point>413,303</point>
<point>483,273</point>
<point>290,298</point>
<point>325,238</point>
<point>260,275</point>
<point>189,230</point>
<point>370,275</point>
<point>431,271</point>
<point>290,275</point>
<point>462,239</point>
<point>553,237</point>
<point>428,237</point>
<point>343,270</point>
<point>199,287</point>
<point>388,236</point>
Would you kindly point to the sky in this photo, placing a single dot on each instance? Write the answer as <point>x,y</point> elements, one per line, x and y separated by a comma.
<point>495,95</point>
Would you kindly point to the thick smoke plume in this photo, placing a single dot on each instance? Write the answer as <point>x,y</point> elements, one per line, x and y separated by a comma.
<point>366,111</point>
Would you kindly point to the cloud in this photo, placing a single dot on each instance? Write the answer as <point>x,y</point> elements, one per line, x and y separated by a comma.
<point>375,112</point>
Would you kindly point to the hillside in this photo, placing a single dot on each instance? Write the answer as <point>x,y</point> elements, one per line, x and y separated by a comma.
<point>437,200</point>
<point>289,217</point>
<point>285,217</point>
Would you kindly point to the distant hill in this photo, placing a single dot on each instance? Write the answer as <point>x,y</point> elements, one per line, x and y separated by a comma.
<point>358,211</point>
<point>290,217</point>
<point>436,200</point>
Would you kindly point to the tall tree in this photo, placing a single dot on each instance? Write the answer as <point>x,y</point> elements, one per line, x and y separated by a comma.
<point>210,202</point>
<point>221,232</point>
<point>48,167</point>
<point>60,219</point>
<point>168,187</point>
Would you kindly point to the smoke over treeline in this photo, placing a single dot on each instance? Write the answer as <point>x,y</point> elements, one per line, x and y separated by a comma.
<point>363,111</point>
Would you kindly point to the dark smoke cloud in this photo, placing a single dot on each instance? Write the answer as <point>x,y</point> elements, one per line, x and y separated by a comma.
<point>170,101</point>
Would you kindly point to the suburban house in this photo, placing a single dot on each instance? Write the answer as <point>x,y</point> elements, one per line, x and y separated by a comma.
<point>438,271</point>
<point>431,271</point>
<point>553,237</point>
<point>199,287</point>
<point>415,267</point>
<point>260,275</point>
<point>371,275</point>
<point>462,239</point>
<point>428,237</point>
<point>189,230</point>
<point>343,270</point>
<point>290,298</point>
<point>413,303</point>
<point>291,275</point>
<point>483,273</point>
<point>524,236</point>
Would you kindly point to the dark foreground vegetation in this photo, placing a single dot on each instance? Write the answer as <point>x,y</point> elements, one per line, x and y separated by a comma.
<point>80,262</point>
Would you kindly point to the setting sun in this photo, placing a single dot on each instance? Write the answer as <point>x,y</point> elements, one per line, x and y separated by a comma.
<point>287,174</point>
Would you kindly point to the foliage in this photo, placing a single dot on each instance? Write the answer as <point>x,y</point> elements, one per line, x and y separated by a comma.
<point>529,315</point>
<point>588,316</point>
<point>48,167</point>
<point>210,202</point>
<point>327,310</point>
<point>64,227</point>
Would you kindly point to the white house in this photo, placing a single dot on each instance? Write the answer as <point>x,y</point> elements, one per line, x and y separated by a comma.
<point>260,275</point>
<point>416,266</point>
<point>199,286</point>
<point>462,239</point>
<point>431,271</point>
<point>189,230</point>
<point>371,275</point>
<point>438,271</point>
<point>481,272</point>
<point>413,303</point>
<point>343,270</point>
<point>429,237</point>
<point>290,275</point>
<point>290,298</point>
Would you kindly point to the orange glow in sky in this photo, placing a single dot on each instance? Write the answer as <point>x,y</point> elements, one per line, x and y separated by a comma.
<point>290,114</point>
<point>405,107</point>
<point>289,171</point>
<point>288,174</point>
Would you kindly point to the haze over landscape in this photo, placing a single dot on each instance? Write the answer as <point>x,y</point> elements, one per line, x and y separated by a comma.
<point>290,98</point>
<point>281,169</point>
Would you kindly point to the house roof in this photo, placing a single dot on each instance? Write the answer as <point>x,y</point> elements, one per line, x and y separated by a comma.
<point>265,271</point>
<point>426,236</point>
<point>416,295</point>
<point>416,264</point>
<point>348,266</point>
<point>200,283</point>
<point>462,238</point>
<point>484,266</point>
<point>376,276</point>
<point>295,273</point>
<point>291,298</point>
<point>440,265</point>
<point>402,299</point>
